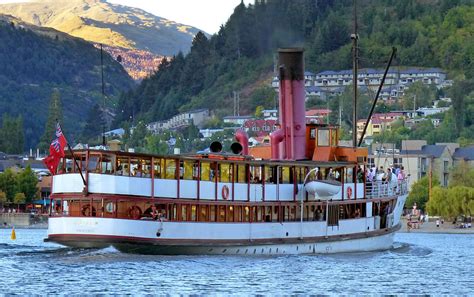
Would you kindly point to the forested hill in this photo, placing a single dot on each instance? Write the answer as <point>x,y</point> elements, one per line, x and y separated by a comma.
<point>36,61</point>
<point>430,33</point>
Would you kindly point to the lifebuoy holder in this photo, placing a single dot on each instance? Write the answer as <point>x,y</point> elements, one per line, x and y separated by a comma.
<point>349,192</point>
<point>225,192</point>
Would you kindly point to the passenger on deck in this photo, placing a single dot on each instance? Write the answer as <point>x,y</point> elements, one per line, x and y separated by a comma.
<point>119,170</point>
<point>154,213</point>
<point>319,214</point>
<point>125,170</point>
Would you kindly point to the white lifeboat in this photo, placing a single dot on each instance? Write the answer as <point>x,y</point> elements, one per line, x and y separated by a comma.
<point>323,189</point>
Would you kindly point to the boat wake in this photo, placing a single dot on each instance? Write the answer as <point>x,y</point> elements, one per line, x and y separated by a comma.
<point>410,249</point>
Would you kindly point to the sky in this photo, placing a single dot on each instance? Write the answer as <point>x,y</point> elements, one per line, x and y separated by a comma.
<point>207,15</point>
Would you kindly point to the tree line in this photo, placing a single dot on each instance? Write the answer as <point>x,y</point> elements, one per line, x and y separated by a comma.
<point>18,187</point>
<point>241,54</point>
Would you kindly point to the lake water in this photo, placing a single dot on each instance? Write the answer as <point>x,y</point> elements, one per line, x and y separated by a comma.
<point>420,264</point>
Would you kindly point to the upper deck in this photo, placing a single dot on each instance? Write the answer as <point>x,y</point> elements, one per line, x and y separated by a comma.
<point>208,176</point>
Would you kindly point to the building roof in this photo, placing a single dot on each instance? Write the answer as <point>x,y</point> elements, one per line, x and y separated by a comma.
<point>465,153</point>
<point>433,150</point>
<point>318,112</point>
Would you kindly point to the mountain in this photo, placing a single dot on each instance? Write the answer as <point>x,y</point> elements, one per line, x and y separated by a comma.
<point>427,33</point>
<point>36,61</point>
<point>110,24</point>
<point>140,38</point>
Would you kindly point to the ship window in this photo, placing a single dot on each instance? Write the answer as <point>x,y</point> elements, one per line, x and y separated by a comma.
<point>240,173</point>
<point>230,213</point>
<point>256,174</point>
<point>246,217</point>
<point>170,171</point>
<point>286,175</point>
<point>205,171</point>
<point>312,133</point>
<point>203,213</point>
<point>268,213</point>
<point>193,213</point>
<point>225,173</point>
<point>68,164</point>
<point>146,165</point>
<point>184,212</point>
<point>237,213</point>
<point>174,211</point>
<point>94,165</point>
<point>123,166</point>
<point>157,170</point>
<point>270,174</point>
<point>260,213</point>
<point>221,213</point>
<point>212,212</point>
<point>107,163</point>
<point>349,175</point>
<point>188,169</point>
<point>323,137</point>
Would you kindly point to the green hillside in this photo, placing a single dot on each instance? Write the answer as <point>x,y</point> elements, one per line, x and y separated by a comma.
<point>427,33</point>
<point>36,61</point>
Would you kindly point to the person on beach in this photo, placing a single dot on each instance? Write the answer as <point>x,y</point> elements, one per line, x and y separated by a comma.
<point>437,223</point>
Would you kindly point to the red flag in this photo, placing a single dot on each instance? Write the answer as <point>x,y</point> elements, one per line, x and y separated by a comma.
<point>56,151</point>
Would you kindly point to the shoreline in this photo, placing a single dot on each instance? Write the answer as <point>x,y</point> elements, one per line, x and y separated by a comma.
<point>430,227</point>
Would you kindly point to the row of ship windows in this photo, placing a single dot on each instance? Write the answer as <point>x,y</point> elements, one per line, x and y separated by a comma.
<point>215,213</point>
<point>207,170</point>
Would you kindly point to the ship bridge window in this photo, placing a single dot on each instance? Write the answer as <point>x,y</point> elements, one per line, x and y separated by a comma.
<point>323,137</point>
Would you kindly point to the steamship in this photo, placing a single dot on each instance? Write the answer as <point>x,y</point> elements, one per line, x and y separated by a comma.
<point>301,194</point>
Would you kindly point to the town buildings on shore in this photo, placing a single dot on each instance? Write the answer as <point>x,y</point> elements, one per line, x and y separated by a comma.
<point>329,82</point>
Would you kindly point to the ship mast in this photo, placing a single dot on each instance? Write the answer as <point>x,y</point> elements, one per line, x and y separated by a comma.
<point>355,38</point>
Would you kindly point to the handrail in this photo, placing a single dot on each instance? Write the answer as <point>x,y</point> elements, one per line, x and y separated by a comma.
<point>378,189</point>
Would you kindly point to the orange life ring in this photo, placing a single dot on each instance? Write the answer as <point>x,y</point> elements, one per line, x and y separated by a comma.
<point>88,211</point>
<point>134,212</point>
<point>349,192</point>
<point>225,192</point>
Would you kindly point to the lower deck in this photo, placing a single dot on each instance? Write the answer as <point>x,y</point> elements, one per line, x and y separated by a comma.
<point>188,210</point>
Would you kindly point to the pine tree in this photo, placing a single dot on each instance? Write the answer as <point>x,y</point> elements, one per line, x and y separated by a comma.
<point>93,127</point>
<point>55,114</point>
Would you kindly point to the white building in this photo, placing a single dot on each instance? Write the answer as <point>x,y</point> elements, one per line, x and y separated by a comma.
<point>195,117</point>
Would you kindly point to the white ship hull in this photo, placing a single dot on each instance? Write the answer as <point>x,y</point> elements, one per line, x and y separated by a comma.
<point>164,237</point>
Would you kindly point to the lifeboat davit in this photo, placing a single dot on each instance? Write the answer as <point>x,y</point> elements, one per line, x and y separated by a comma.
<point>323,189</point>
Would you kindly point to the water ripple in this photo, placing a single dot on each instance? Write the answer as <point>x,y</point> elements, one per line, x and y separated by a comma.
<point>418,264</point>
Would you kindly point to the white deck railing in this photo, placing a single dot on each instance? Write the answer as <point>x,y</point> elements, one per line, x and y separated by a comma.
<point>386,189</point>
